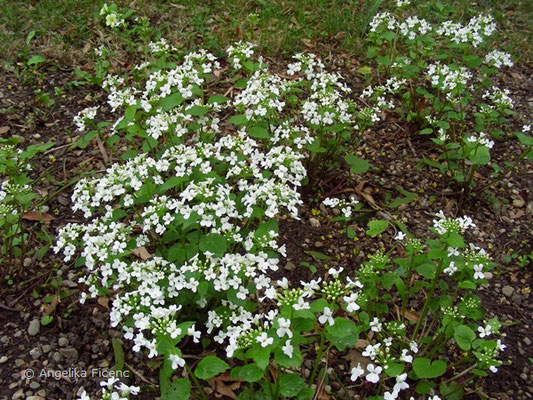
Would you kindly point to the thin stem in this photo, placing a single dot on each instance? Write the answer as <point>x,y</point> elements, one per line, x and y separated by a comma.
<point>429,298</point>
<point>196,383</point>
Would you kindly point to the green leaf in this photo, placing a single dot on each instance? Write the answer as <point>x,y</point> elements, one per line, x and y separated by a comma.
<point>525,139</point>
<point>464,336</point>
<point>45,320</point>
<point>376,226</point>
<point>258,132</point>
<point>178,389</point>
<point>480,156</point>
<point>33,150</point>
<point>364,70</point>
<point>424,368</point>
<point>238,120</point>
<point>171,101</point>
<point>317,255</point>
<point>210,367</point>
<point>394,369</point>
<point>426,131</point>
<point>472,61</point>
<point>342,334</point>
<point>426,270</point>
<point>455,240</point>
<point>357,164</point>
<point>216,98</point>
<point>453,391</point>
<point>213,243</point>
<point>128,154</point>
<point>467,285</point>
<point>118,352</point>
<point>248,373</point>
<point>291,384</point>
<point>36,60</point>
<point>409,197</point>
<point>197,111</point>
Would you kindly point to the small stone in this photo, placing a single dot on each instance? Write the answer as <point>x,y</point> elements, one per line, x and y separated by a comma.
<point>318,245</point>
<point>336,212</point>
<point>519,202</point>
<point>290,266</point>
<point>69,352</point>
<point>508,290</point>
<point>47,348</point>
<point>34,327</point>
<point>34,398</point>
<point>27,262</point>
<point>62,342</point>
<point>69,284</point>
<point>19,394</point>
<point>57,357</point>
<point>3,359</point>
<point>315,223</point>
<point>523,376</point>
<point>527,341</point>
<point>35,385</point>
<point>488,275</point>
<point>35,353</point>
<point>19,362</point>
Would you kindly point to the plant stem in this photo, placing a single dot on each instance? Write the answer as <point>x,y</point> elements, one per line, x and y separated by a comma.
<point>195,381</point>
<point>429,298</point>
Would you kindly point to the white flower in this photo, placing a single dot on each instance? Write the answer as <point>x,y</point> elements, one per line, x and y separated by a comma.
<point>486,331</point>
<point>176,360</point>
<point>376,325</point>
<point>284,325</point>
<point>400,236</point>
<point>288,349</point>
<point>351,300</point>
<point>406,357</point>
<point>390,396</point>
<point>373,373</point>
<point>194,333</point>
<point>264,340</point>
<point>326,316</point>
<point>493,369</point>
<point>478,271</point>
<point>450,269</point>
<point>400,383</point>
<point>500,346</point>
<point>356,372</point>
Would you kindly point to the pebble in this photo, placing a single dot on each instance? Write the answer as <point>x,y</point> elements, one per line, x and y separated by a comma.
<point>508,290</point>
<point>3,359</point>
<point>527,341</point>
<point>319,245</point>
<point>18,394</point>
<point>69,352</point>
<point>57,357</point>
<point>27,262</point>
<point>315,223</point>
<point>34,327</point>
<point>290,266</point>
<point>34,398</point>
<point>47,348</point>
<point>19,362</point>
<point>62,342</point>
<point>35,385</point>
<point>35,353</point>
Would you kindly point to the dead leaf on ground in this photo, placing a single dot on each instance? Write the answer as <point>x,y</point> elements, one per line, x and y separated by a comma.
<point>355,357</point>
<point>223,390</point>
<point>4,129</point>
<point>103,301</point>
<point>37,216</point>
<point>142,253</point>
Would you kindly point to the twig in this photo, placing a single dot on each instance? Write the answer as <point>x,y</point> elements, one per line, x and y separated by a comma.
<point>141,377</point>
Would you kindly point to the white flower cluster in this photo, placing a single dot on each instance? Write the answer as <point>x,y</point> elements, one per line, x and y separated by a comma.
<point>161,46</point>
<point>113,390</point>
<point>346,206</point>
<point>499,97</point>
<point>401,3</point>
<point>306,64</point>
<point>112,18</point>
<point>447,78</point>
<point>457,225</point>
<point>239,53</point>
<point>497,58</point>
<point>473,33</point>
<point>383,19</point>
<point>413,27</point>
<point>85,115</point>
<point>481,139</point>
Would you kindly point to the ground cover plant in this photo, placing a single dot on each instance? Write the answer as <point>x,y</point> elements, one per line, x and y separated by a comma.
<point>209,170</point>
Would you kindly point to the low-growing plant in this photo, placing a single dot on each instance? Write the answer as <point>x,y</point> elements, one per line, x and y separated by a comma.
<point>440,79</point>
<point>16,198</point>
<point>184,236</point>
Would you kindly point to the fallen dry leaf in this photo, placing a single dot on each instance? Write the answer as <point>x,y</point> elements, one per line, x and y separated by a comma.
<point>4,129</point>
<point>142,253</point>
<point>223,390</point>
<point>37,216</point>
<point>103,301</point>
